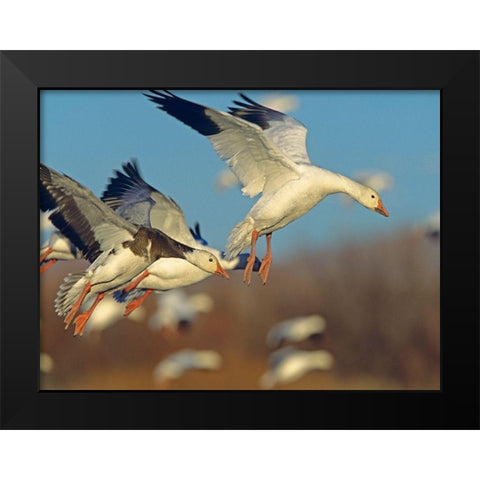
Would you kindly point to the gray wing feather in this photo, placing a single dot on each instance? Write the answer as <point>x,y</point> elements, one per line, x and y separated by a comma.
<point>137,201</point>
<point>84,219</point>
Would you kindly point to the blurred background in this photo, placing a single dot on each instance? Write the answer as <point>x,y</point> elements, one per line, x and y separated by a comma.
<point>374,280</point>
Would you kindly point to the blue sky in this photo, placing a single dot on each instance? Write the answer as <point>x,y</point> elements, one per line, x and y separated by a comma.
<point>88,134</point>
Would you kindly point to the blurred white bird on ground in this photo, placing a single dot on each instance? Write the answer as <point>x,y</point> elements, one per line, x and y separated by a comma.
<point>177,364</point>
<point>289,364</point>
<point>177,310</point>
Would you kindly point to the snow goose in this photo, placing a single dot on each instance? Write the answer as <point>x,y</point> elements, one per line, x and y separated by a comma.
<point>107,313</point>
<point>289,364</point>
<point>130,196</point>
<point>57,247</point>
<point>176,309</point>
<point>295,330</point>
<point>267,152</point>
<point>177,364</point>
<point>119,250</point>
<point>432,226</point>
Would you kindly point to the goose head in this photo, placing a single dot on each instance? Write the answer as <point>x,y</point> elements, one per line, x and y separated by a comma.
<point>370,199</point>
<point>206,261</point>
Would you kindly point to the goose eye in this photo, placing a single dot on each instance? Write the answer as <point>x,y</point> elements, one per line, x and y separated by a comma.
<point>210,259</point>
<point>373,196</point>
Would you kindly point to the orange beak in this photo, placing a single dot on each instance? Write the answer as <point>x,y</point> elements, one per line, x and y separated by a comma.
<point>381,209</point>
<point>221,272</point>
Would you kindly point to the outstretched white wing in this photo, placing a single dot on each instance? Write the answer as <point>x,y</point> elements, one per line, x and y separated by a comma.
<point>260,145</point>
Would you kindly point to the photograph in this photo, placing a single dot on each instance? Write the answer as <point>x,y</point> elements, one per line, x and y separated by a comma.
<point>153,271</point>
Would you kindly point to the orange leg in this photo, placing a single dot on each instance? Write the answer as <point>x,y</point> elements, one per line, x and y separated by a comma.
<point>81,320</point>
<point>251,259</point>
<point>132,285</point>
<point>76,306</point>
<point>267,260</point>
<point>44,268</point>
<point>137,302</point>
<point>48,251</point>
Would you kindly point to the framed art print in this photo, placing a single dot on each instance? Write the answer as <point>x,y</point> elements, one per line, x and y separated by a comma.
<point>360,321</point>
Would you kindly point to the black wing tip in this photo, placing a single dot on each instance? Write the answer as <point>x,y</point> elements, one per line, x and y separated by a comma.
<point>160,96</point>
<point>190,113</point>
<point>254,112</point>
<point>197,229</point>
<point>121,183</point>
<point>250,103</point>
<point>132,169</point>
<point>249,100</point>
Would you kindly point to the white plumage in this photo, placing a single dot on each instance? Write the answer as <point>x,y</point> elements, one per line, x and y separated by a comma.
<point>57,247</point>
<point>378,180</point>
<point>176,309</point>
<point>177,364</point>
<point>295,330</point>
<point>289,364</point>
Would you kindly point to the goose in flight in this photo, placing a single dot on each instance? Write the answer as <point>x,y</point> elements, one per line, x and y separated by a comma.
<point>296,330</point>
<point>56,247</point>
<point>176,310</point>
<point>289,364</point>
<point>266,150</point>
<point>131,197</point>
<point>177,364</point>
<point>119,250</point>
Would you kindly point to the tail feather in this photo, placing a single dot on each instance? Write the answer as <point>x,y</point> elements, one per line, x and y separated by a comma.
<point>69,291</point>
<point>239,238</point>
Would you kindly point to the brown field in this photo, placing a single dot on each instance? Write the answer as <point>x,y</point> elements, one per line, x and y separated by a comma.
<point>381,300</point>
